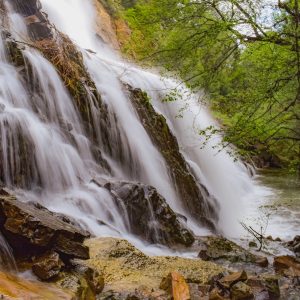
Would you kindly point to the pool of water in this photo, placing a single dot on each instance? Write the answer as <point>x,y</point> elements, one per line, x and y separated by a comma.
<point>280,212</point>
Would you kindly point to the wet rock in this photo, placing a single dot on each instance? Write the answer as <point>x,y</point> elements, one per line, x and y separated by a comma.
<point>47,266</point>
<point>262,295</point>
<point>253,244</point>
<point>176,286</point>
<point>233,278</point>
<point>194,195</point>
<point>297,248</point>
<point>92,276</point>
<point>34,228</point>
<point>2,108</point>
<point>286,262</point>
<point>214,248</point>
<point>75,284</point>
<point>272,286</point>
<point>198,291</point>
<point>241,291</point>
<point>149,214</point>
<point>262,261</point>
<point>215,294</point>
<point>37,24</point>
<point>16,288</point>
<point>39,30</point>
<point>294,245</point>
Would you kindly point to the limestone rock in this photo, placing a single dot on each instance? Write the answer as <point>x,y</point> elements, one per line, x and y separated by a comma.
<point>215,248</point>
<point>126,269</point>
<point>34,228</point>
<point>294,245</point>
<point>215,294</point>
<point>286,262</point>
<point>94,278</point>
<point>149,214</point>
<point>262,261</point>
<point>272,286</point>
<point>47,266</point>
<point>233,278</point>
<point>241,291</point>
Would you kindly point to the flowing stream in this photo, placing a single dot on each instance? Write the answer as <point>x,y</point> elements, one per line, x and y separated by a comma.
<point>60,159</point>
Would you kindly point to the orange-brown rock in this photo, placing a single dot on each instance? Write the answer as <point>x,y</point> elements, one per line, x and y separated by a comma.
<point>176,285</point>
<point>286,262</point>
<point>47,266</point>
<point>233,278</point>
<point>106,27</point>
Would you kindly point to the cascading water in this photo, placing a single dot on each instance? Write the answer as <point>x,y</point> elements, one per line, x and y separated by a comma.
<point>60,163</point>
<point>227,180</point>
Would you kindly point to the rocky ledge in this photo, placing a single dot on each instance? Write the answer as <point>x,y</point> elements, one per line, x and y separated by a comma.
<point>71,265</point>
<point>32,227</point>
<point>149,214</point>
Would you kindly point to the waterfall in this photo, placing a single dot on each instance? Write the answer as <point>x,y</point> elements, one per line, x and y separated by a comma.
<point>228,180</point>
<point>39,119</point>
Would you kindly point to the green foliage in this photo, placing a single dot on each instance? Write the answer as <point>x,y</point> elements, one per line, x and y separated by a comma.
<point>249,68</point>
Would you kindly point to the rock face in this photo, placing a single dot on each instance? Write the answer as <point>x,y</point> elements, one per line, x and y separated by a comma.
<point>33,228</point>
<point>149,214</point>
<point>36,22</point>
<point>193,195</point>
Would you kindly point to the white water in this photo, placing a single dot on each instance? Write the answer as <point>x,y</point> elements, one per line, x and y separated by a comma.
<point>227,180</point>
<point>61,152</point>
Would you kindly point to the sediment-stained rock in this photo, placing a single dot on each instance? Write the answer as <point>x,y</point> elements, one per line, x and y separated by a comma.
<point>31,229</point>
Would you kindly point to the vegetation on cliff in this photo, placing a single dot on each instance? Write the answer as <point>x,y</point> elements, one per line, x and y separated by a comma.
<point>244,54</point>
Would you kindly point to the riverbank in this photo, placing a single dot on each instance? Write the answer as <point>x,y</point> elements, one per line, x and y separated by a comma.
<point>282,204</point>
<point>117,270</point>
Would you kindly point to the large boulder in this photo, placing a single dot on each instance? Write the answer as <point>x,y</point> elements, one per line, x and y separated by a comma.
<point>127,270</point>
<point>31,229</point>
<point>149,214</point>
